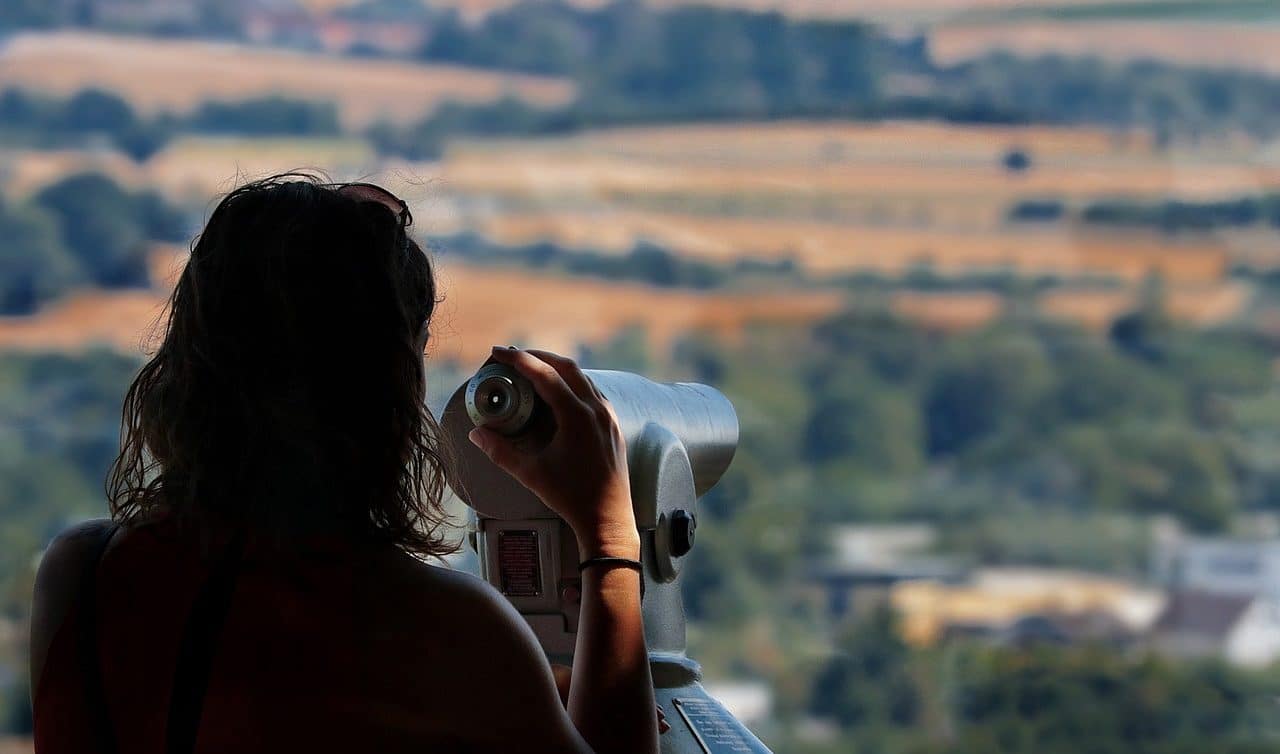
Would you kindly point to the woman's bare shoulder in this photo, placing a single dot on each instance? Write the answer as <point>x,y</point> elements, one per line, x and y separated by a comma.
<point>452,626</point>
<point>57,584</point>
<point>441,596</point>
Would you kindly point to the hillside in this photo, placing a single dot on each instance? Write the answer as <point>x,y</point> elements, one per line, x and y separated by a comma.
<point>176,75</point>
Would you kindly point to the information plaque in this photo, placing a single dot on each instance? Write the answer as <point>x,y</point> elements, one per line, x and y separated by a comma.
<point>715,730</point>
<point>518,567</point>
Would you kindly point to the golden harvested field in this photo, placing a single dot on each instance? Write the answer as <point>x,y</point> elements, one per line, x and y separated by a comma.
<point>833,248</point>
<point>157,75</point>
<point>480,309</point>
<point>837,198</point>
<point>191,169</point>
<point>1202,305</point>
<point>809,142</point>
<point>921,159</point>
<point>1240,45</point>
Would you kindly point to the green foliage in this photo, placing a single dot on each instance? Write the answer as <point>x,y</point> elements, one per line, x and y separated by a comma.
<point>35,267</point>
<point>27,13</point>
<point>871,418</point>
<point>688,62</point>
<point>266,116</point>
<point>975,698</point>
<point>506,117</point>
<point>868,681</point>
<point>1052,700</point>
<point>60,415</point>
<point>1175,216</point>
<point>94,114</point>
<point>91,113</point>
<point>633,64</point>
<point>106,228</point>
<point>644,263</point>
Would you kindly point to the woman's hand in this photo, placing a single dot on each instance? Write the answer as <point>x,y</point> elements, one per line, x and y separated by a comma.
<point>582,473</point>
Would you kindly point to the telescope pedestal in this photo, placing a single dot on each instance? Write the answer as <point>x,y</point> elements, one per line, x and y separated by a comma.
<point>680,439</point>
<point>533,562</point>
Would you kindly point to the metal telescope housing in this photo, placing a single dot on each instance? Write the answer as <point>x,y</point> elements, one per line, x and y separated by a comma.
<point>680,440</point>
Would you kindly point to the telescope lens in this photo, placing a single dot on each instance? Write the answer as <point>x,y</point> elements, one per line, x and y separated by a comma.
<point>495,396</point>
<point>499,398</point>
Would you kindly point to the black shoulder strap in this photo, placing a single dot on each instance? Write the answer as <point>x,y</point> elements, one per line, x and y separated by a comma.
<point>87,645</point>
<point>195,652</point>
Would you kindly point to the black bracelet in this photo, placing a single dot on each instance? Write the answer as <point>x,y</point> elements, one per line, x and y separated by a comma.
<point>612,561</point>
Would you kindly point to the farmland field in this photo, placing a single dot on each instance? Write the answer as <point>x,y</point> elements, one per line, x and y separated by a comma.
<point>834,248</point>
<point>838,199</point>
<point>476,312</point>
<point>159,75</point>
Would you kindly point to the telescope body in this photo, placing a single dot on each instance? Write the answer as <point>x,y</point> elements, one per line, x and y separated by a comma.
<point>680,440</point>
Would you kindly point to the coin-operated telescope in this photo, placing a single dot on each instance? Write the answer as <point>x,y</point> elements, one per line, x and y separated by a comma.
<point>680,440</point>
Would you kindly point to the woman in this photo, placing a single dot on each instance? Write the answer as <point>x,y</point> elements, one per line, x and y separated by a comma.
<point>261,586</point>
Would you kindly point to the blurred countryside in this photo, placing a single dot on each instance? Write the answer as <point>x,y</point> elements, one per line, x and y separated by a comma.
<point>993,284</point>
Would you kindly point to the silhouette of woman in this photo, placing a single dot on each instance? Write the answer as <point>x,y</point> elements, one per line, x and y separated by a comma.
<point>261,585</point>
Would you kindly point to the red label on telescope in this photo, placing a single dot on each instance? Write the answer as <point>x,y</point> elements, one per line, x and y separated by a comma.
<point>518,567</point>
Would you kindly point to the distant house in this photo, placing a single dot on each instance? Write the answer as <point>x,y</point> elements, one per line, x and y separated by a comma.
<point>867,561</point>
<point>1240,628</point>
<point>1025,605</point>
<point>1218,565</point>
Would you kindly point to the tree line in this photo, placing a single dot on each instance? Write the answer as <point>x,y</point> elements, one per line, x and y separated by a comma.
<point>634,64</point>
<point>1168,216</point>
<point>84,230</point>
<point>45,122</point>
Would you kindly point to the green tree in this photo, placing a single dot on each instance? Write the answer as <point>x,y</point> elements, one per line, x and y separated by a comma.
<point>106,228</point>
<point>868,682</point>
<point>34,265</point>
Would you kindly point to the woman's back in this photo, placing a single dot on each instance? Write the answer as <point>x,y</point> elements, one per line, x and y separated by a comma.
<point>329,648</point>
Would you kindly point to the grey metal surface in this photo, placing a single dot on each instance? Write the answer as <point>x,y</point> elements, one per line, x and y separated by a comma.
<point>701,417</point>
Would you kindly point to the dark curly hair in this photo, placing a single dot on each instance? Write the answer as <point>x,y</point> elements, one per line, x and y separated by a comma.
<point>288,392</point>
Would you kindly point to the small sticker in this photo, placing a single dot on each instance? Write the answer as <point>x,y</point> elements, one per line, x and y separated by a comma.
<point>518,567</point>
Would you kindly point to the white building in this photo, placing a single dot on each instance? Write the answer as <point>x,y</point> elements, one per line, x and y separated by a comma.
<point>1224,597</point>
<point>1242,629</point>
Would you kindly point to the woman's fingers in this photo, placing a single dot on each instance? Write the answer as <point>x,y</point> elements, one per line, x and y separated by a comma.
<point>547,382</point>
<point>572,375</point>
<point>500,450</point>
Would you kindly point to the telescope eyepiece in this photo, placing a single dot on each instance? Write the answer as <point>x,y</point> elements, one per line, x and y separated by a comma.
<point>501,399</point>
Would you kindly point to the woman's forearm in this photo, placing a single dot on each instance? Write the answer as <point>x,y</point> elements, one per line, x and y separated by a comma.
<point>611,697</point>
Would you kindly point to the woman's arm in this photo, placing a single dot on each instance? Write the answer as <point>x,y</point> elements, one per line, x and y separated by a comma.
<point>611,683</point>
<point>582,475</point>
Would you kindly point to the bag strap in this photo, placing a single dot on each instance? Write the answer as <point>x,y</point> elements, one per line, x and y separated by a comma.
<point>196,650</point>
<point>87,645</point>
